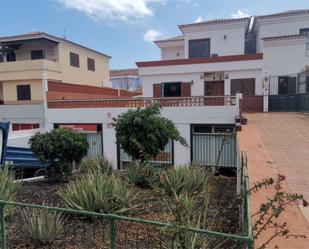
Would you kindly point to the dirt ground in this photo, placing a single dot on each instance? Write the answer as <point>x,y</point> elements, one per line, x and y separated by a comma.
<point>279,143</point>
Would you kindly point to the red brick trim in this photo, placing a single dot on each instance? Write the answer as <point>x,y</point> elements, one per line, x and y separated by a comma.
<point>228,58</point>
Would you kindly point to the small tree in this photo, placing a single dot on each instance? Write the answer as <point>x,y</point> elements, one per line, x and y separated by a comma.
<point>143,133</point>
<point>60,148</point>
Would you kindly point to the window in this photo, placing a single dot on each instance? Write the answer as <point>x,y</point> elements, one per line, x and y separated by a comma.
<point>74,59</point>
<point>37,54</point>
<point>213,129</point>
<point>286,85</point>
<point>171,89</point>
<point>10,56</point>
<point>91,64</point>
<point>19,127</point>
<point>23,92</point>
<point>199,48</point>
<point>304,31</point>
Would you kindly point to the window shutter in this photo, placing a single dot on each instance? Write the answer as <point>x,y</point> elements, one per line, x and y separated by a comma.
<point>186,89</point>
<point>157,90</point>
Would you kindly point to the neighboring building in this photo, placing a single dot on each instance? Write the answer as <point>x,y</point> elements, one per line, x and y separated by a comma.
<point>226,56</point>
<point>24,59</point>
<point>126,79</point>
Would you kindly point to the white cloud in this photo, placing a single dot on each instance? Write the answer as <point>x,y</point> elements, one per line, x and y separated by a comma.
<point>199,19</point>
<point>151,35</point>
<point>123,10</point>
<point>240,14</point>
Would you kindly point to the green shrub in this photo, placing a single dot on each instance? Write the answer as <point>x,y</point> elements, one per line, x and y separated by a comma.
<point>41,226</point>
<point>98,193</point>
<point>141,174</point>
<point>8,186</point>
<point>189,179</point>
<point>97,164</point>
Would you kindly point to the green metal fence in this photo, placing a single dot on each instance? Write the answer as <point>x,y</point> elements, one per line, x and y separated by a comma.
<point>111,231</point>
<point>286,103</point>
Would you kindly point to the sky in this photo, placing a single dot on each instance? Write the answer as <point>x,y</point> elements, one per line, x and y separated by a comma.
<point>125,29</point>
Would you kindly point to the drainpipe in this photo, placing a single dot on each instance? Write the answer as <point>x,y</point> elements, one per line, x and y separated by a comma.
<point>45,107</point>
<point>265,84</point>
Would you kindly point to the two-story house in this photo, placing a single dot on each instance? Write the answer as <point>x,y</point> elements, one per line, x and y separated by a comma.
<point>226,56</point>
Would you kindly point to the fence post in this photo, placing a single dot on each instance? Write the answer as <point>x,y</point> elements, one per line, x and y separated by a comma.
<point>112,233</point>
<point>2,227</point>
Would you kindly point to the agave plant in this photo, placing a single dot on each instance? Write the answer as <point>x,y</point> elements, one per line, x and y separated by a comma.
<point>97,164</point>
<point>8,185</point>
<point>98,193</point>
<point>189,179</point>
<point>41,226</point>
<point>141,174</point>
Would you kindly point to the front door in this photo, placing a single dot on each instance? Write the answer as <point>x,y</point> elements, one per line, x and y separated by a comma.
<point>214,88</point>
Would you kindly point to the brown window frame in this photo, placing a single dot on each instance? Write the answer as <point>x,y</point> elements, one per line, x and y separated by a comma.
<point>23,92</point>
<point>90,66</point>
<point>74,59</point>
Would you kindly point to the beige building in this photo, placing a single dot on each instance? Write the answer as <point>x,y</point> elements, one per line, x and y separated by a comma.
<point>24,59</point>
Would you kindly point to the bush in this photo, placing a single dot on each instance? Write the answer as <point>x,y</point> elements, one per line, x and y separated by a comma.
<point>143,133</point>
<point>41,227</point>
<point>59,146</point>
<point>141,174</point>
<point>97,164</point>
<point>98,193</point>
<point>189,179</point>
<point>8,186</point>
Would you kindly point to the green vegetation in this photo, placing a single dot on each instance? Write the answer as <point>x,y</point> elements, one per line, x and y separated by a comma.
<point>99,193</point>
<point>8,185</point>
<point>97,164</point>
<point>141,174</point>
<point>143,133</point>
<point>40,226</point>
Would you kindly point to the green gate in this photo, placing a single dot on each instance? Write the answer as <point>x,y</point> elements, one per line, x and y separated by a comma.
<point>289,103</point>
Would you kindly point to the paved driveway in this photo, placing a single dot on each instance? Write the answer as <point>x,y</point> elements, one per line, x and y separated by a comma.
<point>286,137</point>
<point>279,143</point>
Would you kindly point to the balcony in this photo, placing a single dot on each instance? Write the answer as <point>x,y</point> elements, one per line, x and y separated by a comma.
<point>28,69</point>
<point>144,102</point>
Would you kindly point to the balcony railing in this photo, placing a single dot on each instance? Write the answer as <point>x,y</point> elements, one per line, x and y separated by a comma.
<point>29,65</point>
<point>144,102</point>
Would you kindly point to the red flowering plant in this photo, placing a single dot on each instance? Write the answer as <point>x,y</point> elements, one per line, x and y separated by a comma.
<point>267,217</point>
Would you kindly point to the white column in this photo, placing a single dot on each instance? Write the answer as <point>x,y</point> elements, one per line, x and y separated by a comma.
<point>265,84</point>
<point>237,104</point>
<point>182,153</point>
<point>227,87</point>
<point>45,107</point>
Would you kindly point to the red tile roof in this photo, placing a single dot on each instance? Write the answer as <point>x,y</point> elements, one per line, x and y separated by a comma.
<point>174,38</point>
<point>216,21</point>
<point>284,14</point>
<point>283,37</point>
<point>123,72</point>
<point>227,58</point>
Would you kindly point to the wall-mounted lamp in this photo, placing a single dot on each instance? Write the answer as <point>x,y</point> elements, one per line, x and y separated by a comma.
<point>191,82</point>
<point>226,76</point>
<point>225,37</point>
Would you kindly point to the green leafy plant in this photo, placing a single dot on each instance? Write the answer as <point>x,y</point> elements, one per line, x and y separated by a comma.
<point>99,193</point>
<point>141,174</point>
<point>143,133</point>
<point>189,179</point>
<point>97,164</point>
<point>41,226</point>
<point>59,146</point>
<point>8,185</point>
<point>267,217</point>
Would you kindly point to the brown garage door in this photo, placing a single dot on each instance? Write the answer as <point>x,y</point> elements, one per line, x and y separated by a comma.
<point>250,101</point>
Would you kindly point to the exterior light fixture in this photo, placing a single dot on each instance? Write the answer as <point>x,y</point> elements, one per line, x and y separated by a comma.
<point>225,37</point>
<point>226,76</point>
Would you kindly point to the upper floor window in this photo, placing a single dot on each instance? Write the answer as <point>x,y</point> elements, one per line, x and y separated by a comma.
<point>199,48</point>
<point>74,59</point>
<point>23,92</point>
<point>10,56</point>
<point>172,89</point>
<point>37,55</point>
<point>304,31</point>
<point>91,64</point>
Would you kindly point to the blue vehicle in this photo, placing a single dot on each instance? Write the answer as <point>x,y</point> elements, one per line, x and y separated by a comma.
<point>20,159</point>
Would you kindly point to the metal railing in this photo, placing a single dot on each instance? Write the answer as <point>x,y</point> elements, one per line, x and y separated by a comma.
<point>145,101</point>
<point>121,231</point>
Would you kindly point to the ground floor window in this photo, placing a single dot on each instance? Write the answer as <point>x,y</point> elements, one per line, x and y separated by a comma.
<point>20,127</point>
